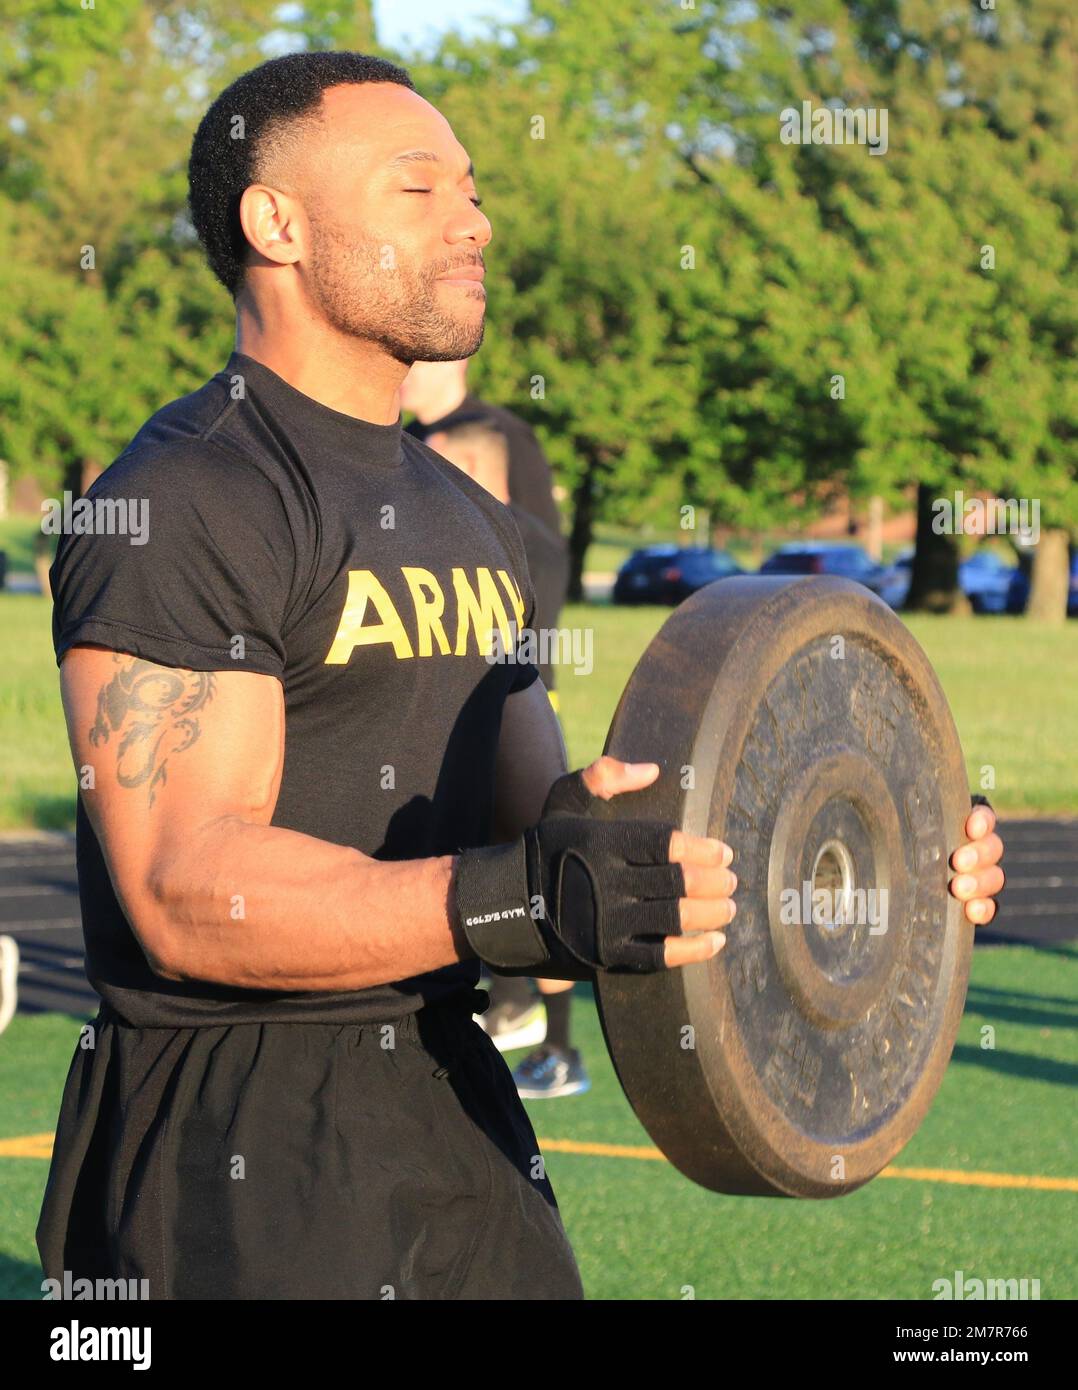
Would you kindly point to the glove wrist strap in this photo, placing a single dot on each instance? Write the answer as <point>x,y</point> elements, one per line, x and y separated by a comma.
<point>493,908</point>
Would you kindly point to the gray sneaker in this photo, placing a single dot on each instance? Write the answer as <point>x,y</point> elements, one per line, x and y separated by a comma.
<point>509,1026</point>
<point>551,1071</point>
<point>9,975</point>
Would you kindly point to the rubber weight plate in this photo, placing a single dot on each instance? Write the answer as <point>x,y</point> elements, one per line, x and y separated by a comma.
<point>799,721</point>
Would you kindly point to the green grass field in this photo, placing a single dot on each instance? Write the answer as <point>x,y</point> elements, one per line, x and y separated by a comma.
<point>36,776</point>
<point>18,535</point>
<point>1013,687</point>
<point>641,1230</point>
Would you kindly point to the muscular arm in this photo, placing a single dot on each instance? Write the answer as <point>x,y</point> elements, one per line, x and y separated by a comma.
<point>187,767</point>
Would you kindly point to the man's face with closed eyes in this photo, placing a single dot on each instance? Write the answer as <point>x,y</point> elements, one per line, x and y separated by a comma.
<point>387,226</point>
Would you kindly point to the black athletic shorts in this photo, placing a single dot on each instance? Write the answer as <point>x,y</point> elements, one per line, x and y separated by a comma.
<point>303,1160</point>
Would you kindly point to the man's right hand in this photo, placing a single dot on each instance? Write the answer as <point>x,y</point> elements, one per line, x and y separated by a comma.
<point>575,894</point>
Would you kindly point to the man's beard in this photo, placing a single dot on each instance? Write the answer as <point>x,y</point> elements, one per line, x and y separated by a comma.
<point>398,309</point>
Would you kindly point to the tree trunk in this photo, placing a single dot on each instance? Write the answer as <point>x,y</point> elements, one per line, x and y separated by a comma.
<point>43,562</point>
<point>580,532</point>
<point>874,535</point>
<point>934,581</point>
<point>1050,580</point>
<point>79,476</point>
<point>72,479</point>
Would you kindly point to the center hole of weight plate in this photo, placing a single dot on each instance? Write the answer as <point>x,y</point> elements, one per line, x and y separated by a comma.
<point>832,874</point>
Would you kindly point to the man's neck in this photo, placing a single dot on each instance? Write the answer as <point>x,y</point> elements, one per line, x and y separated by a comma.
<point>345,374</point>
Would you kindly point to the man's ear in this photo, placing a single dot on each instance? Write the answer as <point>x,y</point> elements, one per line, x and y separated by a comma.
<point>271,224</point>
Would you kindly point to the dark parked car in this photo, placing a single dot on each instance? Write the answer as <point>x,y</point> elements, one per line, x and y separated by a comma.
<point>1018,591</point>
<point>984,578</point>
<point>670,573</point>
<point>894,583</point>
<point>806,557</point>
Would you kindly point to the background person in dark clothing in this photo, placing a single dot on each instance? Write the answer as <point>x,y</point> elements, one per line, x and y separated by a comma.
<point>479,447</point>
<point>514,1019</point>
<point>437,394</point>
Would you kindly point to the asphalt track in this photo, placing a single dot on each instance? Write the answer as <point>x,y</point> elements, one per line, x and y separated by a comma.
<point>39,906</point>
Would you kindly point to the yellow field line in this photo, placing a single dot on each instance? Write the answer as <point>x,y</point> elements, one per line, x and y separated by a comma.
<point>951,1175</point>
<point>573,1146</point>
<point>27,1146</point>
<point>956,1175</point>
<point>40,1146</point>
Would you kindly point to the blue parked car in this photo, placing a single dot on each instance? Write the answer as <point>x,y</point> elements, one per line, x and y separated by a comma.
<point>1018,592</point>
<point>670,573</point>
<point>984,578</point>
<point>813,557</point>
<point>894,583</point>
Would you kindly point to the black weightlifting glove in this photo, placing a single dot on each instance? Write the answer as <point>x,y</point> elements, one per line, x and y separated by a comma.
<point>573,895</point>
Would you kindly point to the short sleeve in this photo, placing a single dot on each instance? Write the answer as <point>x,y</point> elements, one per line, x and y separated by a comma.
<point>181,554</point>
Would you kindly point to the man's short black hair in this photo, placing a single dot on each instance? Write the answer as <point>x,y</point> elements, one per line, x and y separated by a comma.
<point>227,155</point>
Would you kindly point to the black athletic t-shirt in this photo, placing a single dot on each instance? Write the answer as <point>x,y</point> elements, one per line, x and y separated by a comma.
<point>531,482</point>
<point>364,572</point>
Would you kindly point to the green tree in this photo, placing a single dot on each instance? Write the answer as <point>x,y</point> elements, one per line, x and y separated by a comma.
<point>112,307</point>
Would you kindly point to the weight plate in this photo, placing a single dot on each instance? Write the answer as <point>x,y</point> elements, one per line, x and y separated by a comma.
<point>799,721</point>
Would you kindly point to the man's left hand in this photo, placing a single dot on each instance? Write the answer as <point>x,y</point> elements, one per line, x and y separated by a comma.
<point>978,876</point>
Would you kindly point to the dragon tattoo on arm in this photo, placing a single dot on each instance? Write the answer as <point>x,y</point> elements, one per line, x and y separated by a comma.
<point>154,711</point>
